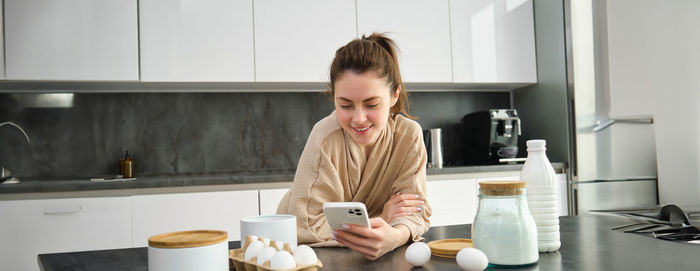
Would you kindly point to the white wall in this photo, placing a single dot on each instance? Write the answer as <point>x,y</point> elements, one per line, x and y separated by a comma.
<point>654,69</point>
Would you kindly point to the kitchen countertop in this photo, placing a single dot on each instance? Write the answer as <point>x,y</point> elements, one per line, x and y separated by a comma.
<point>587,244</point>
<point>183,180</point>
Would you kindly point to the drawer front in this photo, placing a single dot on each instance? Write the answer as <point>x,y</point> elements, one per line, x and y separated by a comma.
<point>155,214</point>
<point>32,227</point>
<point>452,201</point>
<point>270,199</point>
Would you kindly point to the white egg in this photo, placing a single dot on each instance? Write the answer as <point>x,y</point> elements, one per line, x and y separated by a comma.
<point>266,254</point>
<point>253,249</point>
<point>247,239</point>
<point>304,254</point>
<point>472,259</point>
<point>282,260</point>
<point>266,242</point>
<point>418,254</point>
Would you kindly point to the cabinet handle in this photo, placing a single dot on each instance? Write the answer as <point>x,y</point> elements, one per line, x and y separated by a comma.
<point>53,210</point>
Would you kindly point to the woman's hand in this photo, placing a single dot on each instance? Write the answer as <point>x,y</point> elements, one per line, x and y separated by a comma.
<point>401,205</point>
<point>374,241</point>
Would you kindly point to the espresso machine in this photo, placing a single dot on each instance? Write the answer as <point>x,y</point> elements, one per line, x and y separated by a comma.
<point>489,136</point>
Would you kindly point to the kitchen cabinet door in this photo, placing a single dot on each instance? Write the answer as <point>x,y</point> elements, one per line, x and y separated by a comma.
<point>421,30</point>
<point>295,41</point>
<point>71,40</point>
<point>561,189</point>
<point>563,195</point>
<point>453,201</point>
<point>2,43</point>
<point>196,40</point>
<point>156,214</point>
<point>493,41</point>
<point>32,227</point>
<point>499,178</point>
<point>270,199</point>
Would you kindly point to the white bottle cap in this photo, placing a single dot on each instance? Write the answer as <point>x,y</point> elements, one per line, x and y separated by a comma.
<point>536,145</point>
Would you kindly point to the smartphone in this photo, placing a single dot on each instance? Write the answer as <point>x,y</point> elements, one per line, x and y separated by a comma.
<point>339,213</point>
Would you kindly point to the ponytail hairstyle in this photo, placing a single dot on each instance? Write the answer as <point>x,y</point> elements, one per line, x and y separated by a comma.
<point>376,53</point>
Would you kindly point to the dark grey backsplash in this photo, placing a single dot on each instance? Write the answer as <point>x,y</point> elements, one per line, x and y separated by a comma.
<point>176,133</point>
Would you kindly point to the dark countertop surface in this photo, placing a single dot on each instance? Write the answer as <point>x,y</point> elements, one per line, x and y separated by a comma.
<point>36,185</point>
<point>587,244</point>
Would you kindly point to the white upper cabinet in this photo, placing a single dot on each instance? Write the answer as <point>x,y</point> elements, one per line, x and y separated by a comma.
<point>71,40</point>
<point>493,41</point>
<point>295,41</point>
<point>2,45</point>
<point>421,30</point>
<point>196,40</point>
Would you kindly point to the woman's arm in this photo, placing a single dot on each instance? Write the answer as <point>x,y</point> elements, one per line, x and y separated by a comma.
<point>316,181</point>
<point>400,205</point>
<point>311,188</point>
<point>412,181</point>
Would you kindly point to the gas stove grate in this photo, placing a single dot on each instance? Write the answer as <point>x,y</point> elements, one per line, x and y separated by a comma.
<point>671,224</point>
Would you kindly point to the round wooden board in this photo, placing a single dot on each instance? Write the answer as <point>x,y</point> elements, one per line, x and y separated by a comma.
<point>448,248</point>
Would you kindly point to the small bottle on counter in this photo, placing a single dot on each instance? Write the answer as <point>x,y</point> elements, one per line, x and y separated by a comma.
<point>121,168</point>
<point>128,166</point>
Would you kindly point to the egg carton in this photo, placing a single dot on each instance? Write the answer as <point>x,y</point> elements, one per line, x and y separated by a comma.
<point>238,262</point>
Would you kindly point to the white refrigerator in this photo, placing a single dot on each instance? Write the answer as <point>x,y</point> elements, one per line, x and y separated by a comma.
<point>614,163</point>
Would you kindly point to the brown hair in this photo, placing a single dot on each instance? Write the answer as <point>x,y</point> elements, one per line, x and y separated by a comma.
<point>376,53</point>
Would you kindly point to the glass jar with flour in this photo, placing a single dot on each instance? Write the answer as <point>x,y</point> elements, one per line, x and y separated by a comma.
<point>503,227</point>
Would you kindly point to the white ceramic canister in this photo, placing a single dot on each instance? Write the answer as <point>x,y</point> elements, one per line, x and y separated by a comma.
<point>188,250</point>
<point>274,227</point>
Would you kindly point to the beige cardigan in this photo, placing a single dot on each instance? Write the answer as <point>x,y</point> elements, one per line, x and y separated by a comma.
<point>334,168</point>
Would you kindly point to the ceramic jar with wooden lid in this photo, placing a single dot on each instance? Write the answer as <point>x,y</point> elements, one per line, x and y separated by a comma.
<point>503,227</point>
<point>188,250</point>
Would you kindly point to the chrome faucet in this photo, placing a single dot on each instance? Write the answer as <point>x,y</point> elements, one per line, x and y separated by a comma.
<point>5,174</point>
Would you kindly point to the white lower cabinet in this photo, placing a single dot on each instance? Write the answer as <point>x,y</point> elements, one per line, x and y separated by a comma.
<point>504,178</point>
<point>32,227</point>
<point>563,195</point>
<point>561,189</point>
<point>156,214</point>
<point>453,201</point>
<point>270,199</point>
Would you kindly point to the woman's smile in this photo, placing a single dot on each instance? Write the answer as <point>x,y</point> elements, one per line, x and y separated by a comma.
<point>361,130</point>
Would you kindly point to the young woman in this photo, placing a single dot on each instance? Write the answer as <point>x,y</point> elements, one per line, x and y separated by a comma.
<point>367,150</point>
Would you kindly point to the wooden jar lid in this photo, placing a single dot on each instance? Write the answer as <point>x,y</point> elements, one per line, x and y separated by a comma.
<point>448,248</point>
<point>501,188</point>
<point>183,239</point>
